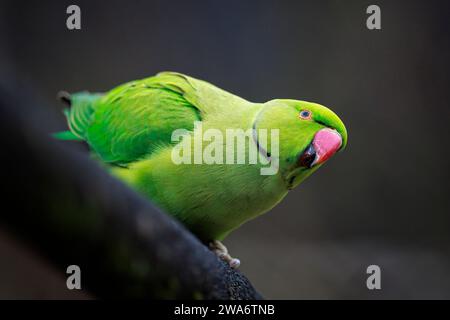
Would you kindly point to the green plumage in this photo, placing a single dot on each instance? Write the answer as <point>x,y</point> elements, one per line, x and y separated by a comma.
<point>131,126</point>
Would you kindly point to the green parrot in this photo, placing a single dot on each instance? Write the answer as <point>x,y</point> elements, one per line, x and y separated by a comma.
<point>131,130</point>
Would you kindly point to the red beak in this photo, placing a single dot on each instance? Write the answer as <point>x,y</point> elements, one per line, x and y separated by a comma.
<point>326,143</point>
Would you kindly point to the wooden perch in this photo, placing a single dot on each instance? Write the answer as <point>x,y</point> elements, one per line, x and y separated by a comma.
<point>73,212</point>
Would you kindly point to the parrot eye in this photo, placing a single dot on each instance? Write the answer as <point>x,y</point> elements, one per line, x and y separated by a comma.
<point>305,114</point>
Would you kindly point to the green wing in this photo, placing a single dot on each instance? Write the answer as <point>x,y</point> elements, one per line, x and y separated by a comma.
<point>133,120</point>
<point>203,95</point>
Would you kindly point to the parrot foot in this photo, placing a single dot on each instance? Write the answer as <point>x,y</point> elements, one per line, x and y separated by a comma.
<point>222,252</point>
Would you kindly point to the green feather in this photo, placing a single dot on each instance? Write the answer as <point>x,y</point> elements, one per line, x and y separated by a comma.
<point>79,115</point>
<point>66,135</point>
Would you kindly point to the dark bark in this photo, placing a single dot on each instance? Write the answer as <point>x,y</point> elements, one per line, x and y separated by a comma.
<point>73,212</point>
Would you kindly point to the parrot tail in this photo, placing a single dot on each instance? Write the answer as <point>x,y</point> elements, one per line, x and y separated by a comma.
<point>66,135</point>
<point>78,115</point>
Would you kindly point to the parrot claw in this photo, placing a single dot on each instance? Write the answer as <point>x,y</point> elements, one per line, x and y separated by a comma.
<point>235,263</point>
<point>222,252</point>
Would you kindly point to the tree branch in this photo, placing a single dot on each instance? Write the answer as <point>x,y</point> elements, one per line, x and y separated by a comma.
<point>74,212</point>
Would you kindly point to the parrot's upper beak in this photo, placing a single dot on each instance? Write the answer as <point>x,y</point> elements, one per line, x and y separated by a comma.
<point>326,143</point>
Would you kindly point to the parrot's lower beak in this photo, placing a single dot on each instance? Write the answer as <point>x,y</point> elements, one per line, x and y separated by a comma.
<point>325,144</point>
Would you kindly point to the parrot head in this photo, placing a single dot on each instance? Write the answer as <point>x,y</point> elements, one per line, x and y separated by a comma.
<point>309,134</point>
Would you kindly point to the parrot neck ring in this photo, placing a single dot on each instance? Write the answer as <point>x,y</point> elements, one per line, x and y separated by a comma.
<point>324,145</point>
<point>262,151</point>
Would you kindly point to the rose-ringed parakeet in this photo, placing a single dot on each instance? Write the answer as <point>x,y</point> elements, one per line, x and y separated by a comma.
<point>130,129</point>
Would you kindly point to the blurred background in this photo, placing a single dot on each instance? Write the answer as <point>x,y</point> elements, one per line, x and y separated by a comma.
<point>383,201</point>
